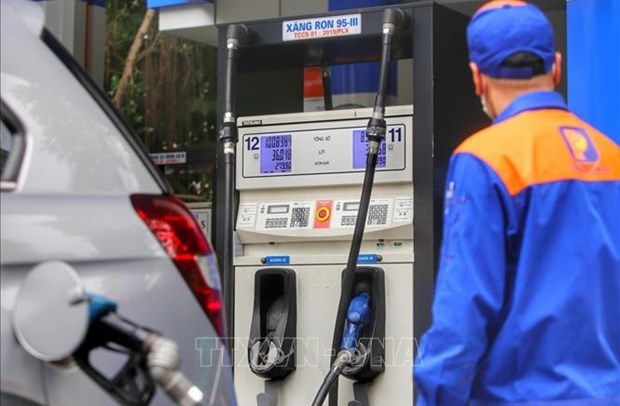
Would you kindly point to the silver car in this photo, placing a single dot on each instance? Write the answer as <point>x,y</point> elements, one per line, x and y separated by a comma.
<point>78,188</point>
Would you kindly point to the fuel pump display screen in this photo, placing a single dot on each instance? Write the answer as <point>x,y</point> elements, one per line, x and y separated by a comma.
<point>351,206</point>
<point>360,150</point>
<point>276,153</point>
<point>278,209</point>
<point>302,151</point>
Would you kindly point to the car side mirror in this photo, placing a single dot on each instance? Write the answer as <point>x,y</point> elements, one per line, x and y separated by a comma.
<point>51,313</point>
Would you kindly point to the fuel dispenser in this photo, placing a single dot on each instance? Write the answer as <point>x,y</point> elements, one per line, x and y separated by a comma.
<point>299,178</point>
<point>298,294</point>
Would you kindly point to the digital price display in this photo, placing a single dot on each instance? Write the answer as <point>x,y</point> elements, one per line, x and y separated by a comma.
<point>275,153</point>
<point>351,206</point>
<point>278,209</point>
<point>360,150</point>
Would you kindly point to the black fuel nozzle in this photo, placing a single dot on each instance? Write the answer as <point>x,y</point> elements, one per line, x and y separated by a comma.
<point>265,352</point>
<point>132,384</point>
<point>271,346</point>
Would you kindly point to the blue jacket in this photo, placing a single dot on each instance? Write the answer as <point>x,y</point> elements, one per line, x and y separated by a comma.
<point>527,303</point>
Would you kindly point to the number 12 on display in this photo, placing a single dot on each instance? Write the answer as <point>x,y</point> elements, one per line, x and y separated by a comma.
<point>251,143</point>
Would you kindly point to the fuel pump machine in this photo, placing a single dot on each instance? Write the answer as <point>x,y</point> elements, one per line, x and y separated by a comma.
<point>299,178</point>
<point>298,314</point>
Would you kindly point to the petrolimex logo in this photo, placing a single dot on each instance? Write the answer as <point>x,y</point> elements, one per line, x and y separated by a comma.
<point>580,145</point>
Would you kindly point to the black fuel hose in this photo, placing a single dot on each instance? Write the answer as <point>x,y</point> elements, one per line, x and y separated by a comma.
<point>343,359</point>
<point>347,283</point>
<point>228,138</point>
<point>375,133</point>
<point>356,243</point>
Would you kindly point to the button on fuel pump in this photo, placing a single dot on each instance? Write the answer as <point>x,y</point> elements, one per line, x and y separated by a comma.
<point>323,213</point>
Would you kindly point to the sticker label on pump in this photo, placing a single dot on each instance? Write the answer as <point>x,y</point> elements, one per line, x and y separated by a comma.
<point>403,209</point>
<point>333,26</point>
<point>367,258</point>
<point>277,260</point>
<point>247,215</point>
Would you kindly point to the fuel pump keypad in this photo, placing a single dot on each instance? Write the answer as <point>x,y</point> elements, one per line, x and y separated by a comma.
<point>349,220</point>
<point>377,214</point>
<point>284,215</point>
<point>328,214</point>
<point>300,217</point>
<point>279,222</point>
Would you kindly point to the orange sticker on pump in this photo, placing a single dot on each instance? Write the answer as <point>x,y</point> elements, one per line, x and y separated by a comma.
<point>323,213</point>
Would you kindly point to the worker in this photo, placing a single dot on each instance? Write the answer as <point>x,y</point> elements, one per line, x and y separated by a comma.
<point>527,301</point>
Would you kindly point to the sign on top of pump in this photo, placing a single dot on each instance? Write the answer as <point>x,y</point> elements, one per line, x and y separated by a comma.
<point>323,27</point>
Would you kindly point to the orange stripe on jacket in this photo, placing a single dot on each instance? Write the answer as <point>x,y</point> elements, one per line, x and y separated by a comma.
<point>542,146</point>
<point>500,3</point>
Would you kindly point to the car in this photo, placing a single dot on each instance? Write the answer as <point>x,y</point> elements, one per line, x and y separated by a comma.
<point>78,188</point>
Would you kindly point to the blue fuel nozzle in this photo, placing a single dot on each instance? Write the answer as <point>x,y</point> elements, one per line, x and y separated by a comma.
<point>358,315</point>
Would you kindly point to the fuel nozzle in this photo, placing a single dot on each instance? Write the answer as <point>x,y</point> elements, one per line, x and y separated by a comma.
<point>265,353</point>
<point>271,344</point>
<point>151,358</point>
<point>358,315</point>
<point>364,326</point>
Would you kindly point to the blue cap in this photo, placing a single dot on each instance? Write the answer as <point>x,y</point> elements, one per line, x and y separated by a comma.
<point>502,28</point>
